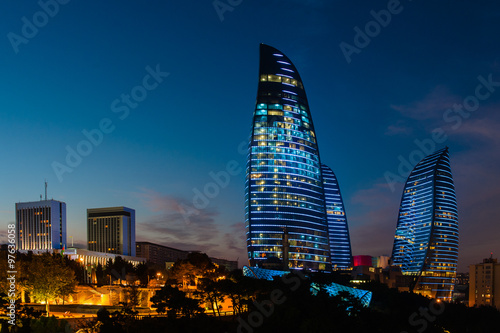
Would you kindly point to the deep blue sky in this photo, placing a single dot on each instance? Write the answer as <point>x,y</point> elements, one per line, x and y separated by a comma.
<point>63,79</point>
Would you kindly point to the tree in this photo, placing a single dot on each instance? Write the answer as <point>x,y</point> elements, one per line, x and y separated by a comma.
<point>238,290</point>
<point>132,297</point>
<point>174,301</point>
<point>118,268</point>
<point>210,292</point>
<point>48,278</point>
<point>99,274</point>
<point>48,325</point>
<point>196,266</point>
<point>19,275</point>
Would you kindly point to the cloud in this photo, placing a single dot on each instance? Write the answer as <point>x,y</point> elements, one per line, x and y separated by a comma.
<point>179,225</point>
<point>431,107</point>
<point>477,181</point>
<point>475,164</point>
<point>483,130</point>
<point>372,220</point>
<point>399,127</point>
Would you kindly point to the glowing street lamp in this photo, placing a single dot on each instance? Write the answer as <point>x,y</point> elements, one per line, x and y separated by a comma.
<point>81,261</point>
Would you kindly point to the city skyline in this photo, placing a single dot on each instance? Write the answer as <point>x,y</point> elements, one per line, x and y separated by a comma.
<point>175,148</point>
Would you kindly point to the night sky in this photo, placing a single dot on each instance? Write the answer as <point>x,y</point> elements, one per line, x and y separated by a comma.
<point>166,91</point>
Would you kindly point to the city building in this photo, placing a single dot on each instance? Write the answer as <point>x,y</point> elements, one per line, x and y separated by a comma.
<point>163,255</point>
<point>111,230</point>
<point>365,260</point>
<point>230,265</point>
<point>391,276</point>
<point>91,259</point>
<point>338,230</point>
<point>426,239</point>
<point>159,254</point>
<point>484,283</point>
<point>41,225</point>
<point>462,279</point>
<point>284,184</point>
<point>332,289</point>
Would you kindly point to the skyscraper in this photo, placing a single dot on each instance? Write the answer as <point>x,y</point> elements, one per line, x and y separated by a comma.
<point>284,186</point>
<point>426,240</point>
<point>41,225</point>
<point>338,230</point>
<point>111,230</point>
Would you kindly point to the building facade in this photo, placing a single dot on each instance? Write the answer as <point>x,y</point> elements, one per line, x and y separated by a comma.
<point>284,185</point>
<point>111,230</point>
<point>426,239</point>
<point>338,230</point>
<point>41,225</point>
<point>230,265</point>
<point>484,283</point>
<point>159,254</point>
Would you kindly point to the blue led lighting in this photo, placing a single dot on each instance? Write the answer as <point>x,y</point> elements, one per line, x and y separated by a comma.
<point>282,147</point>
<point>333,289</point>
<point>426,238</point>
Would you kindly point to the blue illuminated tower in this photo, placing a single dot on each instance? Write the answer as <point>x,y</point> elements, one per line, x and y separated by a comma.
<point>284,186</point>
<point>426,240</point>
<point>338,231</point>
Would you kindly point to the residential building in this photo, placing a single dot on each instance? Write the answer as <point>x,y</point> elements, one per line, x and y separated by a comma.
<point>159,254</point>
<point>484,283</point>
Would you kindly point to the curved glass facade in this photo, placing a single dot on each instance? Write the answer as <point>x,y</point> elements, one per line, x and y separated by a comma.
<point>284,186</point>
<point>338,231</point>
<point>426,240</point>
<point>332,289</point>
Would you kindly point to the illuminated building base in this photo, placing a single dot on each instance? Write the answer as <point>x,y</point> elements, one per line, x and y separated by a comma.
<point>333,289</point>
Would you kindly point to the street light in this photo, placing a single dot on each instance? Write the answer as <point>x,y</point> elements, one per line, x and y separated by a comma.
<point>83,268</point>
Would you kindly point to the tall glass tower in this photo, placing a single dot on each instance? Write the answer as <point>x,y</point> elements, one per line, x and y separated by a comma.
<point>426,240</point>
<point>284,186</point>
<point>338,231</point>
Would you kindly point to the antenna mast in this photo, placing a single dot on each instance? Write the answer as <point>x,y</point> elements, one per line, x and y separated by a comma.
<point>45,190</point>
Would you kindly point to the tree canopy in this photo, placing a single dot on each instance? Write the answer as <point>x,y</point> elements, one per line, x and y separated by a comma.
<point>48,278</point>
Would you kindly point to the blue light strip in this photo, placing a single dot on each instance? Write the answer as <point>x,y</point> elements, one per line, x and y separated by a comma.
<point>426,239</point>
<point>282,147</point>
<point>333,289</point>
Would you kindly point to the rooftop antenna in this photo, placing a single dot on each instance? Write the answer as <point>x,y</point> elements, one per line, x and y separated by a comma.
<point>45,190</point>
